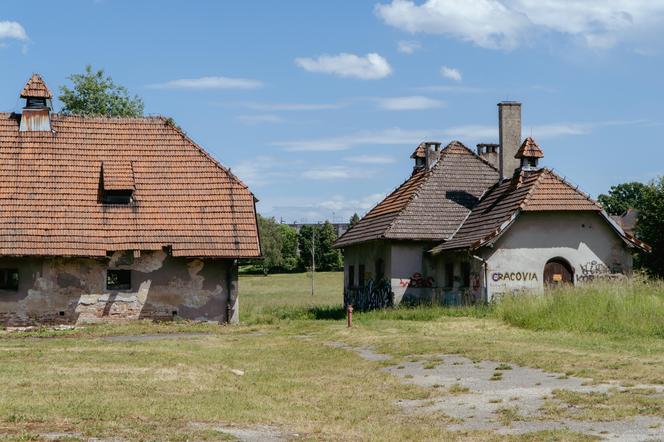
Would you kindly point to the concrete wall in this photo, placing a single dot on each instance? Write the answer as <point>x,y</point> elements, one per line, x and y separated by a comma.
<point>367,254</point>
<point>585,240</point>
<point>73,290</point>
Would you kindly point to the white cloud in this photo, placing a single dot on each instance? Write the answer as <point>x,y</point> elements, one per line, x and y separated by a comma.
<point>258,119</point>
<point>276,107</point>
<point>451,73</point>
<point>339,203</point>
<point>371,159</point>
<point>263,170</point>
<point>209,83</point>
<point>409,103</point>
<point>408,46</point>
<point>344,142</point>
<point>12,30</point>
<point>335,173</point>
<point>451,88</point>
<point>370,67</point>
<point>508,23</point>
<point>336,208</point>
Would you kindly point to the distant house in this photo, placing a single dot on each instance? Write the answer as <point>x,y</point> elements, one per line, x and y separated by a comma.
<point>467,227</point>
<point>115,218</point>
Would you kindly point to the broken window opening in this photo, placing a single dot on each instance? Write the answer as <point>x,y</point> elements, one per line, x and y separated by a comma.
<point>117,197</point>
<point>351,276</point>
<point>449,275</point>
<point>9,279</point>
<point>360,276</point>
<point>465,274</point>
<point>118,279</point>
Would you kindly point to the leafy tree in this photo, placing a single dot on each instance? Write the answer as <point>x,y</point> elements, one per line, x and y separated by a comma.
<point>354,219</point>
<point>289,255</point>
<point>649,227</point>
<point>622,197</point>
<point>95,94</point>
<point>327,258</point>
<point>271,244</point>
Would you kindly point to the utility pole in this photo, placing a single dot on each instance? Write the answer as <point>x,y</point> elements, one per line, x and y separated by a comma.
<point>313,258</point>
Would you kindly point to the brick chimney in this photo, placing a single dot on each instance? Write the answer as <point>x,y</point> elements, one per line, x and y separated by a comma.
<point>509,125</point>
<point>432,153</point>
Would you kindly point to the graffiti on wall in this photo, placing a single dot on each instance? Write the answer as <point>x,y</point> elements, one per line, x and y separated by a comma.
<point>417,281</point>
<point>593,270</point>
<point>513,276</point>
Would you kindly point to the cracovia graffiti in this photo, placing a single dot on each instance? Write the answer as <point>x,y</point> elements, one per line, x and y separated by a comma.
<point>514,276</point>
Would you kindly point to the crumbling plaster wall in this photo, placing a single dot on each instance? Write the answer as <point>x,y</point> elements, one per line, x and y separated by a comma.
<point>73,290</point>
<point>585,240</point>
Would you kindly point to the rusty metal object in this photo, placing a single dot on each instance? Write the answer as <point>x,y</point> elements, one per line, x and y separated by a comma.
<point>349,315</point>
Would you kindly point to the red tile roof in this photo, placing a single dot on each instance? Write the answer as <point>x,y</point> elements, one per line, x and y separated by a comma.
<point>36,88</point>
<point>527,191</point>
<point>183,198</point>
<point>529,149</point>
<point>430,205</point>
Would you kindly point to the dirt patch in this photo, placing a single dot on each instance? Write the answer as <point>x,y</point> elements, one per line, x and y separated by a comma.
<point>256,433</point>
<point>507,398</point>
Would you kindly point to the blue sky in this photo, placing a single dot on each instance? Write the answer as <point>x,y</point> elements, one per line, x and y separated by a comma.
<point>318,105</point>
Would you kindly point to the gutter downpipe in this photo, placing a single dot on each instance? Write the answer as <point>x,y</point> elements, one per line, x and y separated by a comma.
<point>485,265</point>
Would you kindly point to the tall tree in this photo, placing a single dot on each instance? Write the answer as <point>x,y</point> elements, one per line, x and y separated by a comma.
<point>622,197</point>
<point>354,219</point>
<point>289,255</point>
<point>649,227</point>
<point>95,94</point>
<point>271,244</point>
<point>327,257</point>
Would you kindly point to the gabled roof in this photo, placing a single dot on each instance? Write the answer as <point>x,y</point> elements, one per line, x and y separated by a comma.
<point>36,88</point>
<point>527,191</point>
<point>182,197</point>
<point>430,205</point>
<point>529,149</point>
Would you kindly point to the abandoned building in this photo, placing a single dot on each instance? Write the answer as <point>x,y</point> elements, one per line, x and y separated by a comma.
<point>105,219</point>
<point>469,226</point>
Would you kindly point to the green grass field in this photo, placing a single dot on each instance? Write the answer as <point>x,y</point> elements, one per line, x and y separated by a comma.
<point>78,384</point>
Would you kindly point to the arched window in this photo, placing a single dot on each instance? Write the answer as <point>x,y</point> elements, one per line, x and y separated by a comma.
<point>558,271</point>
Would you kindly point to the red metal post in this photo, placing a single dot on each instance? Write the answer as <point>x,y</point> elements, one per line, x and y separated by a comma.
<point>349,315</point>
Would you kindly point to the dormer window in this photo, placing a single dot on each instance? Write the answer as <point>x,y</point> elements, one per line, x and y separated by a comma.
<point>116,183</point>
<point>35,103</point>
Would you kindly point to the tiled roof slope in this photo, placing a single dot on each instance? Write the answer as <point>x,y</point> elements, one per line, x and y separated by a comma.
<point>529,148</point>
<point>431,205</point>
<point>527,191</point>
<point>50,181</point>
<point>36,88</point>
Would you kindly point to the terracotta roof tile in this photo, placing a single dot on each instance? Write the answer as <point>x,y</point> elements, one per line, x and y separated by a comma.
<point>529,149</point>
<point>430,205</point>
<point>36,88</point>
<point>183,198</point>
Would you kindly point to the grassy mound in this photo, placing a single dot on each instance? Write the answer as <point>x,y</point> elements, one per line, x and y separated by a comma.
<point>633,307</point>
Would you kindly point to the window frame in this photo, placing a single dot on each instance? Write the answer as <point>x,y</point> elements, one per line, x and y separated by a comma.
<point>7,280</point>
<point>351,275</point>
<point>123,284</point>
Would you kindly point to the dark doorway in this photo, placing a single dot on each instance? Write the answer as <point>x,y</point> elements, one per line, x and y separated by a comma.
<point>557,271</point>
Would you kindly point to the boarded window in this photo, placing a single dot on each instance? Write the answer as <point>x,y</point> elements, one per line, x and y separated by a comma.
<point>465,274</point>
<point>118,279</point>
<point>360,276</point>
<point>380,269</point>
<point>351,276</point>
<point>9,279</point>
<point>449,275</point>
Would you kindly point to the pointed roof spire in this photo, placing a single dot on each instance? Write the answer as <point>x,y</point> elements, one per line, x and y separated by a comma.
<point>36,88</point>
<point>529,149</point>
<point>420,151</point>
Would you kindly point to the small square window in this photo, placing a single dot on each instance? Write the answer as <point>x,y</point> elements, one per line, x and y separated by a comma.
<point>9,279</point>
<point>117,197</point>
<point>118,279</point>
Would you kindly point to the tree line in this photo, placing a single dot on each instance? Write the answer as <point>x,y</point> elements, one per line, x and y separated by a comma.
<point>287,250</point>
<point>648,199</point>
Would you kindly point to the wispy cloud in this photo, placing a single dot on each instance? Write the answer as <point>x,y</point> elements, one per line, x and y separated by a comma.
<point>335,173</point>
<point>264,170</point>
<point>209,83</point>
<point>252,120</point>
<point>344,142</point>
<point>506,24</point>
<point>451,73</point>
<point>416,102</point>
<point>371,159</point>
<point>369,67</point>
<point>408,46</point>
<point>455,88</point>
<point>469,134</point>
<point>12,30</point>
<point>337,208</point>
<point>287,107</point>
